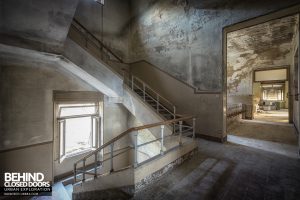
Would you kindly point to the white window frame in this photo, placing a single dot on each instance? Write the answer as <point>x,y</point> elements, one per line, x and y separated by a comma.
<point>95,135</point>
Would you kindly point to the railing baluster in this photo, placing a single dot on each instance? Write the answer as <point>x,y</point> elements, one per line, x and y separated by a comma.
<point>75,173</point>
<point>180,133</point>
<point>96,153</point>
<point>135,148</point>
<point>174,112</point>
<point>95,170</point>
<point>112,157</point>
<point>83,170</point>
<point>194,127</point>
<point>162,127</point>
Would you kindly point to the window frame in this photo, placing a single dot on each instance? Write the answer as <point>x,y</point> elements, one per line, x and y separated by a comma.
<point>61,122</point>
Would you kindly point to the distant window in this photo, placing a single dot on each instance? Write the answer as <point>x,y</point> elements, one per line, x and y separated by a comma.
<point>272,95</point>
<point>270,75</point>
<point>273,92</point>
<point>78,128</point>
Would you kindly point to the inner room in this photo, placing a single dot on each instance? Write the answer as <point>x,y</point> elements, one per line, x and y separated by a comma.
<point>262,79</point>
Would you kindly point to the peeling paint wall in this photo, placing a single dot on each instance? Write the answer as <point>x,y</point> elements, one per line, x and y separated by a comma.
<point>266,45</point>
<point>184,37</point>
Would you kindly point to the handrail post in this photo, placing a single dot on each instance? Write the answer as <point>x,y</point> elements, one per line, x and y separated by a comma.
<point>135,148</point>
<point>112,157</point>
<point>144,91</point>
<point>194,127</point>
<point>174,112</point>
<point>157,103</point>
<point>75,173</point>
<point>95,170</point>
<point>180,133</point>
<point>162,127</point>
<point>83,170</point>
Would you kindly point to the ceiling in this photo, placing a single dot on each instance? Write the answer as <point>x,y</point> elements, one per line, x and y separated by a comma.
<point>265,45</point>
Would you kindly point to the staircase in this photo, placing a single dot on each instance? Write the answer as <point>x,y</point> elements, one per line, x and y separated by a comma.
<point>159,104</point>
<point>101,174</point>
<point>97,48</point>
<point>148,157</point>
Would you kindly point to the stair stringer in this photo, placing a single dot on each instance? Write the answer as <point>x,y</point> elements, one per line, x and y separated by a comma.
<point>87,64</point>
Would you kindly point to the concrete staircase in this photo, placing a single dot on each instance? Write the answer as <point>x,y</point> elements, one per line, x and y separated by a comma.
<point>170,145</point>
<point>198,179</point>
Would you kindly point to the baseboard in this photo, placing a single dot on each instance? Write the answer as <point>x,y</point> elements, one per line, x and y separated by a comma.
<point>212,138</point>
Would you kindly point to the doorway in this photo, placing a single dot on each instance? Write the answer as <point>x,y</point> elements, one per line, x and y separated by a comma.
<point>259,81</point>
<point>270,89</point>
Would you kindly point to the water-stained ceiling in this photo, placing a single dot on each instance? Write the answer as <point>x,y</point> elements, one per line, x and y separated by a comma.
<point>261,46</point>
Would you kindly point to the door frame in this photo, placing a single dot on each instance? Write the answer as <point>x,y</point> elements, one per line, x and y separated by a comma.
<point>241,25</point>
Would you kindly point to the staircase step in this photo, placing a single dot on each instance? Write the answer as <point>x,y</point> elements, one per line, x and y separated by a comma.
<point>69,189</point>
<point>202,179</point>
<point>59,192</point>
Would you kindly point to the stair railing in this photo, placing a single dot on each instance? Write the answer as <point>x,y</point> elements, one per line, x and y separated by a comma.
<point>161,103</point>
<point>83,170</point>
<point>91,39</point>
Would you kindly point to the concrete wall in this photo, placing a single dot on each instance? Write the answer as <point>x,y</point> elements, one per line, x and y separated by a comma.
<point>27,113</point>
<point>107,23</point>
<point>38,24</point>
<point>184,38</point>
<point>27,100</point>
<point>30,159</point>
<point>206,107</point>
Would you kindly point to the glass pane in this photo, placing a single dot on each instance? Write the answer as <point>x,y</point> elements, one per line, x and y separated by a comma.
<point>78,134</point>
<point>61,134</point>
<point>77,109</point>
<point>94,132</point>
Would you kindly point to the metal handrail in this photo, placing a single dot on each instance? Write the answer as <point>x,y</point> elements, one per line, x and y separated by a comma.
<point>125,133</point>
<point>156,93</point>
<point>75,23</point>
<point>157,102</point>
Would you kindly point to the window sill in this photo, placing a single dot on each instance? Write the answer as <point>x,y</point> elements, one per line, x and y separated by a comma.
<point>79,153</point>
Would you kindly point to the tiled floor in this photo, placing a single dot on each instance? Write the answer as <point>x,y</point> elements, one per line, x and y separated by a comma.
<point>273,116</point>
<point>267,131</point>
<point>229,171</point>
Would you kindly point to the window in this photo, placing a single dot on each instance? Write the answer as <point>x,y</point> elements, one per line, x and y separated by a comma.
<point>78,127</point>
<point>100,2</point>
<point>273,92</point>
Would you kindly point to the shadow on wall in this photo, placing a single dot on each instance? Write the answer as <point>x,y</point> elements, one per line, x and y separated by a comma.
<point>184,38</point>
